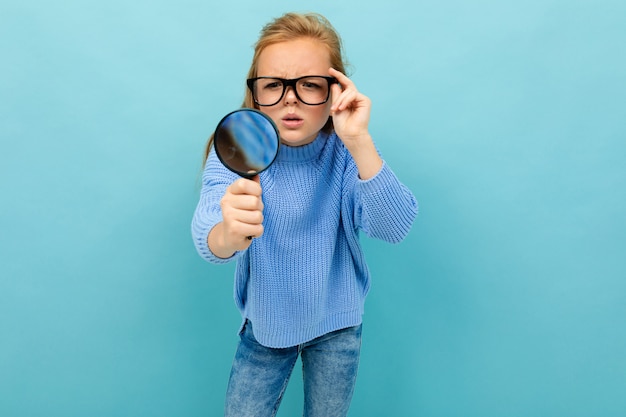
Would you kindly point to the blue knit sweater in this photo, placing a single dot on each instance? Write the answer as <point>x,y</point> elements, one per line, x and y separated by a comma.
<point>306,275</point>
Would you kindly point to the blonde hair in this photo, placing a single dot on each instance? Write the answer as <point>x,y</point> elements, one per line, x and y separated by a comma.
<point>288,27</point>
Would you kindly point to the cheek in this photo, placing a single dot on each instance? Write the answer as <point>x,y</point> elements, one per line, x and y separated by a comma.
<point>271,112</point>
<point>323,114</point>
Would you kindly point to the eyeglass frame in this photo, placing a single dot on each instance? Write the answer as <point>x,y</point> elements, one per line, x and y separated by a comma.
<point>290,83</point>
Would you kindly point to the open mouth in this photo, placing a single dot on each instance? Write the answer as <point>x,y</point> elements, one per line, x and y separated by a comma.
<point>292,121</point>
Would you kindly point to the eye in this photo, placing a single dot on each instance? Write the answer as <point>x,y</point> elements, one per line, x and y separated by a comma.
<point>271,84</point>
<point>311,84</point>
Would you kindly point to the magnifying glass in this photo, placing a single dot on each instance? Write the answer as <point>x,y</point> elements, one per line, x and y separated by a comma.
<point>246,142</point>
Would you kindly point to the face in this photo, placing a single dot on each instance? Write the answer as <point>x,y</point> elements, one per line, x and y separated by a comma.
<point>298,123</point>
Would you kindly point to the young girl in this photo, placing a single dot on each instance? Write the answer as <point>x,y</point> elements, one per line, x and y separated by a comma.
<point>301,282</point>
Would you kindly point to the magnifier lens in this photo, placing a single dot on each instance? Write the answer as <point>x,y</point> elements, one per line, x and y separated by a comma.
<point>246,142</point>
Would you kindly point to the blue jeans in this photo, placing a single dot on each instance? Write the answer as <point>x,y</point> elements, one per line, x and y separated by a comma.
<point>259,375</point>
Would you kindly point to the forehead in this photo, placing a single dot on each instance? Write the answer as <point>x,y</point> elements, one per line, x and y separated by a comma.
<point>294,58</point>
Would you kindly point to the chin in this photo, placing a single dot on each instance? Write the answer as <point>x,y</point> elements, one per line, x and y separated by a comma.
<point>292,140</point>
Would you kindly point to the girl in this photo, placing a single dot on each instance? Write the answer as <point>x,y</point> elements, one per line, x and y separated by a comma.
<point>301,283</point>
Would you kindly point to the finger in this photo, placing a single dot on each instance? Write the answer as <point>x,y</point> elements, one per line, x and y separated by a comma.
<point>345,93</point>
<point>243,229</point>
<point>343,79</point>
<point>239,224</point>
<point>345,100</point>
<point>246,186</point>
<point>336,91</point>
<point>250,217</point>
<point>254,232</point>
<point>241,202</point>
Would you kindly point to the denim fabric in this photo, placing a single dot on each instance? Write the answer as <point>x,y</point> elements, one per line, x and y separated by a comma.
<point>259,375</point>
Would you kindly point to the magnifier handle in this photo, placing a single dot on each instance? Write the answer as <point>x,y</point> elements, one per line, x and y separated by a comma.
<point>254,176</point>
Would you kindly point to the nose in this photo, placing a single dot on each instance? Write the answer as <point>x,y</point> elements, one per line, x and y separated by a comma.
<point>290,95</point>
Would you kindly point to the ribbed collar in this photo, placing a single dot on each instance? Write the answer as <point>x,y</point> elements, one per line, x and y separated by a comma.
<point>302,153</point>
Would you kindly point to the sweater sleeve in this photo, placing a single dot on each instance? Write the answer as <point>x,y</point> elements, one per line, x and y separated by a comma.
<point>208,213</point>
<point>385,208</point>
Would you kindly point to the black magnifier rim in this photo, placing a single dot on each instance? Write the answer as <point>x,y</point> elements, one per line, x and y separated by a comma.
<point>217,152</point>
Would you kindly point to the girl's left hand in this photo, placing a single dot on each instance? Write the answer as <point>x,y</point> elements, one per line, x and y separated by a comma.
<point>350,110</point>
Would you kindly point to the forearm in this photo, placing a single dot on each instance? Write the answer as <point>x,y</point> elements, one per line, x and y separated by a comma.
<point>365,156</point>
<point>205,221</point>
<point>387,207</point>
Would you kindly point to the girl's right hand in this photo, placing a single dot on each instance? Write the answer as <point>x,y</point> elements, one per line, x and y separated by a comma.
<point>242,213</point>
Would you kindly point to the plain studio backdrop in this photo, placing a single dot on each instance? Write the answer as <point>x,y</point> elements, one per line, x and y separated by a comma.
<point>505,118</point>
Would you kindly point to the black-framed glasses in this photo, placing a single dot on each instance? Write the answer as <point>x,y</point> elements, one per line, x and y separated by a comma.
<point>312,90</point>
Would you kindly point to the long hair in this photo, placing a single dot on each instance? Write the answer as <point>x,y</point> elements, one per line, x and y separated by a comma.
<point>289,27</point>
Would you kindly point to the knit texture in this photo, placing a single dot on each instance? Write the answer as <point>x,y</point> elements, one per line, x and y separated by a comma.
<point>306,275</point>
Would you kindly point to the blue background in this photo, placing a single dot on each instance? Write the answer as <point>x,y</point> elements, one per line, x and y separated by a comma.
<point>505,118</point>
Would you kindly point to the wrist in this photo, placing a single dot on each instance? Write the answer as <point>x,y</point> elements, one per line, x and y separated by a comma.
<point>217,242</point>
<point>358,139</point>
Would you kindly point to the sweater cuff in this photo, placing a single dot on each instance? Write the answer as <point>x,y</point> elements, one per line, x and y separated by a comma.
<point>382,179</point>
<point>201,236</point>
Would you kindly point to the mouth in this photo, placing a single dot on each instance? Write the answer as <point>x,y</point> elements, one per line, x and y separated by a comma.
<point>292,121</point>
